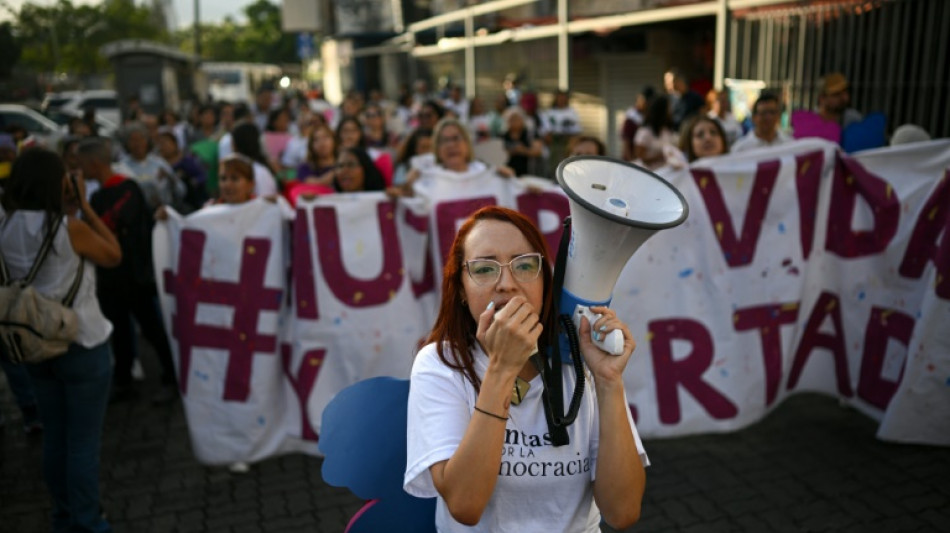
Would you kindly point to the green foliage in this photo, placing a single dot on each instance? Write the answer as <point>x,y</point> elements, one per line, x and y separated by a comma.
<point>11,49</point>
<point>66,38</point>
<point>259,40</point>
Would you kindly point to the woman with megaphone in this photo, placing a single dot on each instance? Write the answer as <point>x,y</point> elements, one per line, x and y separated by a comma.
<point>478,432</point>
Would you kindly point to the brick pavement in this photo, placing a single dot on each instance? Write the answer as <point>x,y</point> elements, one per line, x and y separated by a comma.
<point>810,466</point>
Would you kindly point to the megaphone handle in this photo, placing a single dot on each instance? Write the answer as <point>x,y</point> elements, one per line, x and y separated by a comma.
<point>612,343</point>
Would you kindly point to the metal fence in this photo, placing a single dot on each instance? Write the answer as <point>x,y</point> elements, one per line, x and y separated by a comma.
<point>894,53</point>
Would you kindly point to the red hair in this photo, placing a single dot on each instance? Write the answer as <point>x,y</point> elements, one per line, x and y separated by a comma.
<point>454,327</point>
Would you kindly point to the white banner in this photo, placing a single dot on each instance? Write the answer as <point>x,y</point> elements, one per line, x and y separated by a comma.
<point>799,268</point>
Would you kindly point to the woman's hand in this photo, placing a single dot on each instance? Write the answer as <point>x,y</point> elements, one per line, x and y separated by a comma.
<point>509,336</point>
<point>161,213</point>
<point>606,367</point>
<point>505,171</point>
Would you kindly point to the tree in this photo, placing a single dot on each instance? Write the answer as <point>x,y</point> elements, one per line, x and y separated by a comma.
<point>260,40</point>
<point>11,49</point>
<point>67,38</point>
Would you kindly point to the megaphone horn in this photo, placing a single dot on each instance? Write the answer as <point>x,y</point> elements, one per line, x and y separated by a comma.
<point>615,207</point>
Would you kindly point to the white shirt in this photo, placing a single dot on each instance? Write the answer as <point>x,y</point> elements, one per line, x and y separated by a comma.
<point>730,126</point>
<point>20,238</point>
<point>295,153</point>
<point>561,121</point>
<point>540,487</point>
<point>264,182</point>
<point>751,141</point>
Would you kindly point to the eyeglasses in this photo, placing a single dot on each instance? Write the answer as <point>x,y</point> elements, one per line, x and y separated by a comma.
<point>524,268</point>
<point>347,164</point>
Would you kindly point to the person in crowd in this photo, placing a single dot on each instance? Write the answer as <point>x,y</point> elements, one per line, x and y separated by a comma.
<point>349,133</point>
<point>128,290</point>
<point>263,101</point>
<point>497,115</point>
<point>418,143</point>
<point>633,119</point>
<point>685,103</point>
<point>655,135</point>
<point>495,314</point>
<point>909,133</point>
<point>834,100</point>
<point>586,145</point>
<point>703,137</point>
<point>168,121</point>
<point>430,112</point>
<point>247,142</point>
<point>154,174</point>
<point>765,120</point>
<point>237,180</point>
<point>720,108</point>
<point>8,153</point>
<point>561,122</point>
<point>377,136</point>
<point>277,135</point>
<point>522,146</point>
<point>242,114</point>
<point>77,127</point>
<point>187,169</point>
<point>456,103</point>
<point>206,126</point>
<point>479,120</point>
<point>356,172</point>
<point>68,152</point>
<point>321,158</point>
<point>295,154</point>
<point>225,118</point>
<point>72,390</point>
<point>133,109</point>
<point>404,113</point>
<point>89,117</point>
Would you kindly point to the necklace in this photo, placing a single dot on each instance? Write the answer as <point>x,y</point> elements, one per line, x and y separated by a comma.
<point>519,390</point>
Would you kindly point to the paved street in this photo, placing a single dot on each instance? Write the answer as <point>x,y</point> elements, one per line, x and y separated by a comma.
<point>810,466</point>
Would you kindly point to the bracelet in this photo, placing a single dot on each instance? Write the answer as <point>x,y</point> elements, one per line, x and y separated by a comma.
<point>493,415</point>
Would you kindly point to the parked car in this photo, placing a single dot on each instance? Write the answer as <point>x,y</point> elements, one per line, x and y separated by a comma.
<point>107,128</point>
<point>105,102</point>
<point>44,130</point>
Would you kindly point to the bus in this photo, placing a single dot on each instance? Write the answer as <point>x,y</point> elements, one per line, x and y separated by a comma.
<point>238,82</point>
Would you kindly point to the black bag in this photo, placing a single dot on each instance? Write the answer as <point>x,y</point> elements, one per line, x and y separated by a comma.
<point>33,327</point>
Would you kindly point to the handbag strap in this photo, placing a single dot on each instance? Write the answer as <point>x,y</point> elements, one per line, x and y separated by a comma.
<point>38,262</point>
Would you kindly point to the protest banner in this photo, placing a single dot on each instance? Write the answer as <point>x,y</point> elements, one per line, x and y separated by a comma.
<point>800,268</point>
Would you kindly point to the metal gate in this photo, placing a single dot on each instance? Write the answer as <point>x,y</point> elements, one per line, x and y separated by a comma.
<point>893,52</point>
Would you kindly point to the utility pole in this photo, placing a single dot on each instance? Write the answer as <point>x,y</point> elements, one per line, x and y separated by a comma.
<point>197,30</point>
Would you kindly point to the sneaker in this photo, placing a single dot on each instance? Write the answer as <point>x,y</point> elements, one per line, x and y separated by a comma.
<point>167,394</point>
<point>239,467</point>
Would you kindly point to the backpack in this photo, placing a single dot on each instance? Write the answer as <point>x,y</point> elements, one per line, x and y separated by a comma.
<point>33,327</point>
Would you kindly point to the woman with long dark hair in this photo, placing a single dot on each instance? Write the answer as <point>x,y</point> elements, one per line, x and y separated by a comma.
<point>72,390</point>
<point>246,140</point>
<point>655,136</point>
<point>478,437</point>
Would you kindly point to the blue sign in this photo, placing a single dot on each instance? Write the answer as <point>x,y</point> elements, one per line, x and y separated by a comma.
<point>304,45</point>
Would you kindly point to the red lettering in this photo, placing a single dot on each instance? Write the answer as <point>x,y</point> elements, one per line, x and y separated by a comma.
<point>305,289</point>
<point>768,320</point>
<point>349,290</point>
<point>449,214</point>
<point>303,383</point>
<point>828,305</point>
<point>532,205</point>
<point>248,296</point>
<point>687,372</point>
<point>807,181</point>
<point>883,325</point>
<point>934,220</point>
<point>738,251</point>
<point>851,180</point>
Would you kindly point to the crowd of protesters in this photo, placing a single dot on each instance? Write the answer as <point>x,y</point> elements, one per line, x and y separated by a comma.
<point>299,146</point>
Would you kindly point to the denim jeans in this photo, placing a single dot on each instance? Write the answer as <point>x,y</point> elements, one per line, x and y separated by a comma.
<point>19,380</point>
<point>72,392</point>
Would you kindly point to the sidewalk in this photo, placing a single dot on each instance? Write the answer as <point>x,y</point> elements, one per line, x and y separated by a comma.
<point>810,466</point>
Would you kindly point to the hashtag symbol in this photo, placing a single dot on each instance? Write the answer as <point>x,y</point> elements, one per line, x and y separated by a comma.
<point>248,296</point>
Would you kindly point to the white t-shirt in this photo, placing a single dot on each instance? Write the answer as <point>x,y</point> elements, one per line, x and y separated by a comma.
<point>264,182</point>
<point>751,141</point>
<point>655,146</point>
<point>20,238</point>
<point>295,154</point>
<point>540,487</point>
<point>562,121</point>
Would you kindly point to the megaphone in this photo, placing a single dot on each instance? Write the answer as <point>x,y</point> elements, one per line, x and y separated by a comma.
<point>615,207</point>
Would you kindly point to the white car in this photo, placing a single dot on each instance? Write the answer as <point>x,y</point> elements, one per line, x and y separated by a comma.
<point>44,130</point>
<point>105,102</point>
